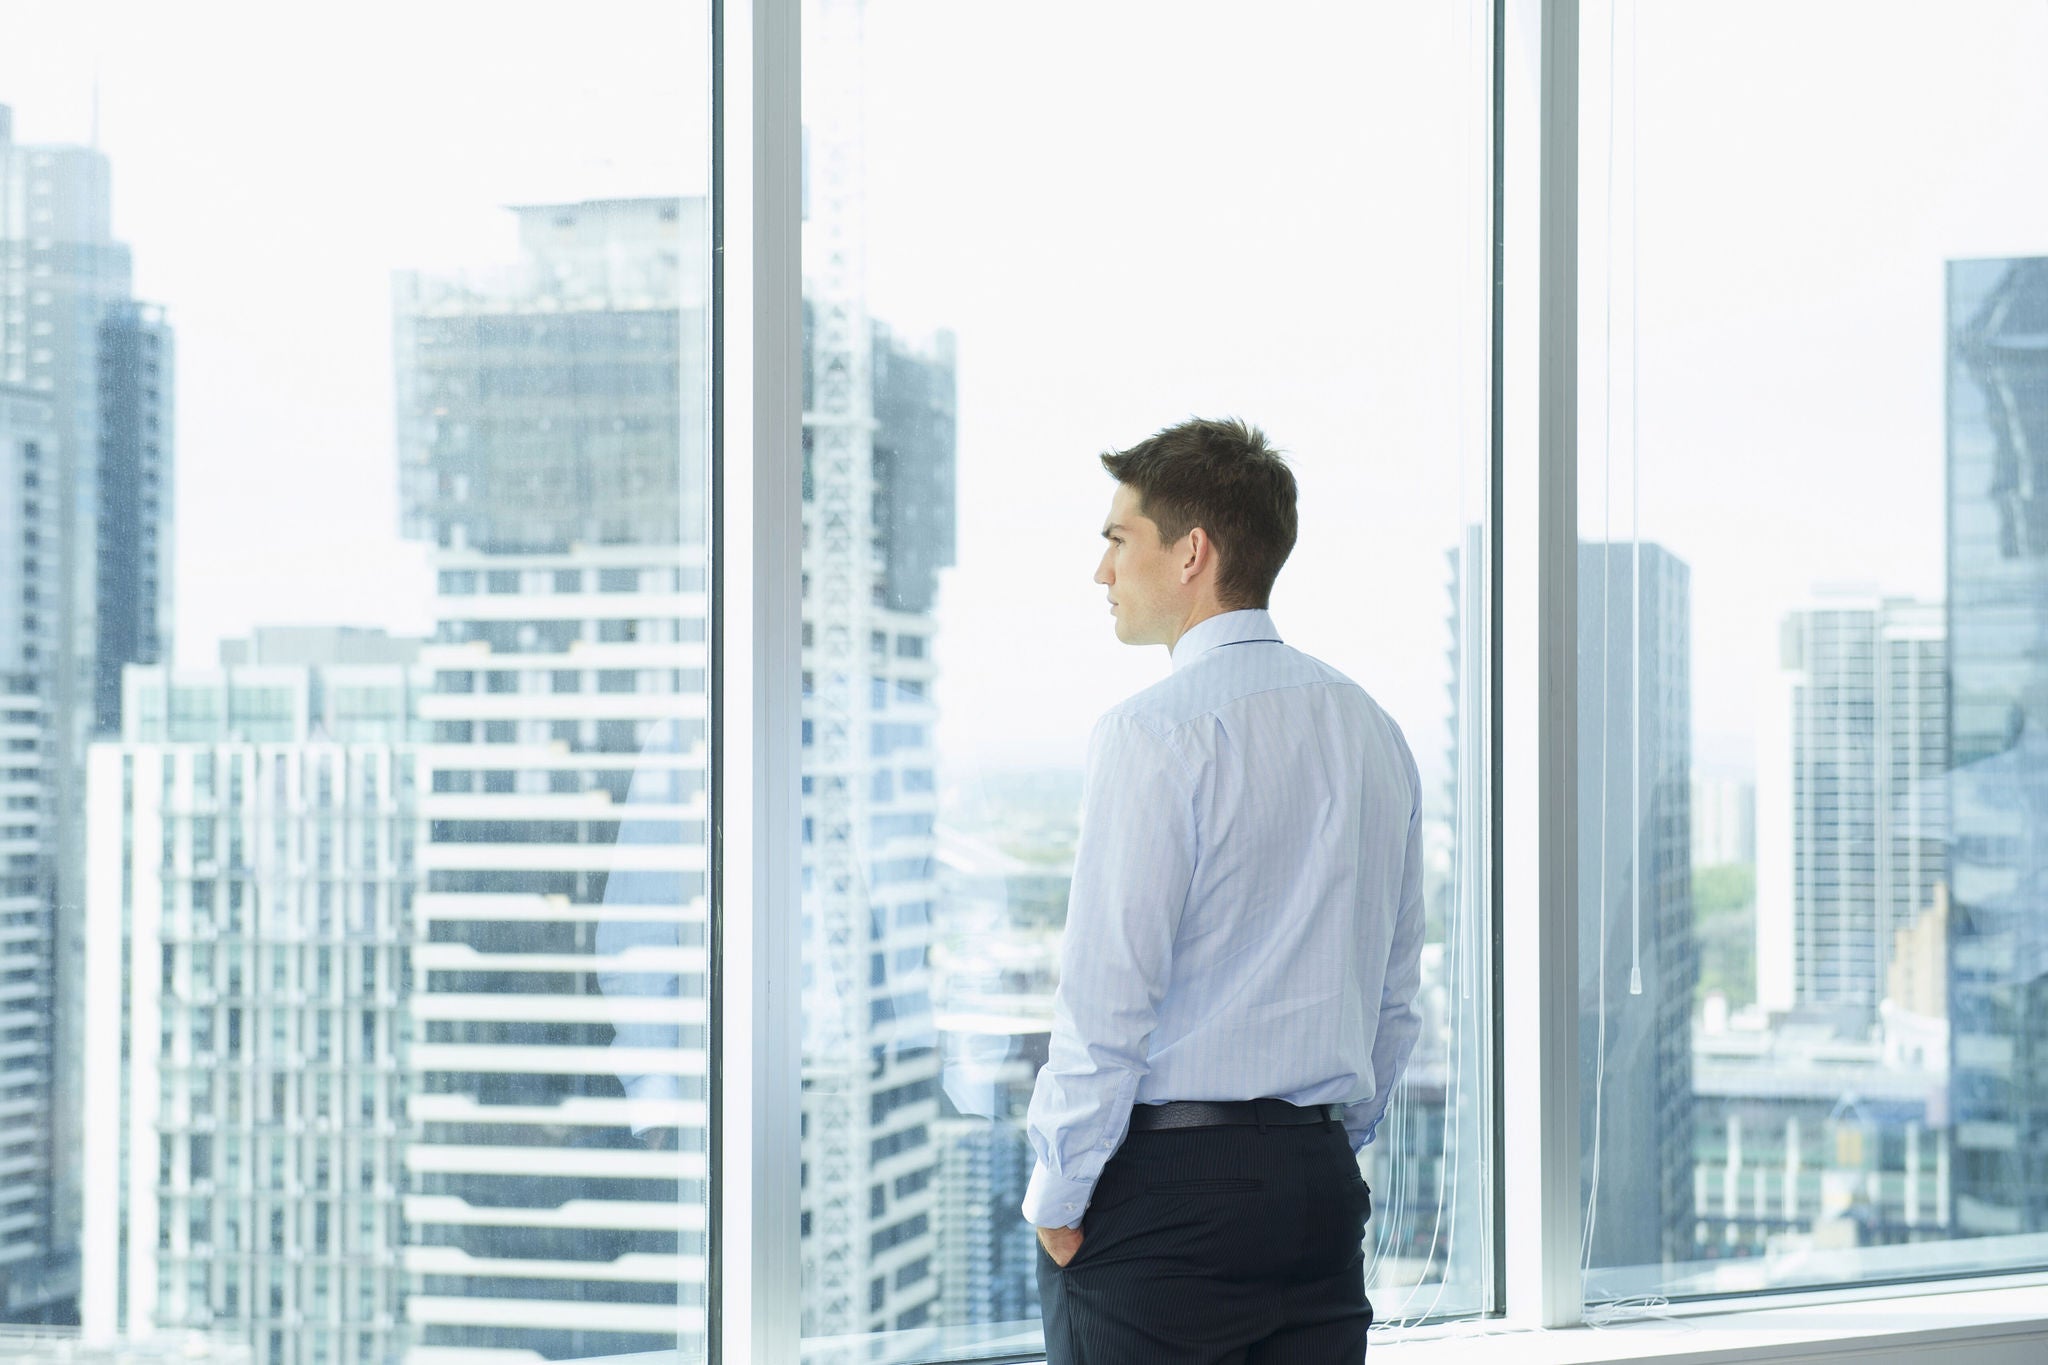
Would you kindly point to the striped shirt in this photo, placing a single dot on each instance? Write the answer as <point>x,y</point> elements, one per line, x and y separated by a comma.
<point>1246,913</point>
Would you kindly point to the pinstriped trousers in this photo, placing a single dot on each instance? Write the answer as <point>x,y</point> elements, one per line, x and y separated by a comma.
<point>1216,1246</point>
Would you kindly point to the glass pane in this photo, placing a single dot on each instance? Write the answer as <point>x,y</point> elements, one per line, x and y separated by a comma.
<point>1031,237</point>
<point>1813,615</point>
<point>353,432</point>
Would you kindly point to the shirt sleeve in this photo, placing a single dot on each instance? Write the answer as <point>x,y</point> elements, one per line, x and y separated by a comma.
<point>1400,1021</point>
<point>1133,865</point>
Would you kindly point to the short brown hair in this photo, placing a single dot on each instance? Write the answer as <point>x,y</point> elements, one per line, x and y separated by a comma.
<point>1223,477</point>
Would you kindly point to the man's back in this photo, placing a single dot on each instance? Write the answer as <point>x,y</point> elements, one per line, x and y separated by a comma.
<point>1247,870</point>
<point>1304,796</point>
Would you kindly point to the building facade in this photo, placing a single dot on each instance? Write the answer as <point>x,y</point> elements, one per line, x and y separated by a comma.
<point>253,886</point>
<point>878,517</point>
<point>1638,962</point>
<point>1997,821</point>
<point>1812,1141</point>
<point>552,437</point>
<point>71,332</point>
<point>28,519</point>
<point>1852,754</point>
<point>132,610</point>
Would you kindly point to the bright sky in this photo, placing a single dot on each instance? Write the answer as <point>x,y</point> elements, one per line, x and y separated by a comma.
<point>1127,212</point>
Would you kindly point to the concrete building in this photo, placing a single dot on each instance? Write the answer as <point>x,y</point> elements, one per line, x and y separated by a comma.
<point>557,1196</point>
<point>878,516</point>
<point>1638,962</point>
<point>132,609</point>
<point>28,849</point>
<point>1851,754</point>
<point>1998,740</point>
<point>552,437</point>
<point>560,399</point>
<point>71,332</point>
<point>1810,1139</point>
<point>253,886</point>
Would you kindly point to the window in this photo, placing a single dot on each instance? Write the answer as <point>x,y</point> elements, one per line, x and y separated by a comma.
<point>1757,376</point>
<point>937,646</point>
<point>382,982</point>
<point>1811,686</point>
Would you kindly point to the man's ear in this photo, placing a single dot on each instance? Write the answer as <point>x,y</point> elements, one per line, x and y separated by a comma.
<point>1200,549</point>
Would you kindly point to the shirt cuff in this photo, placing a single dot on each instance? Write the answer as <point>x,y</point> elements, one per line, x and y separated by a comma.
<point>1053,1202</point>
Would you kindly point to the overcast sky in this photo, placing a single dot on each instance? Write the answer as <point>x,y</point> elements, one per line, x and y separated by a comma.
<point>1127,213</point>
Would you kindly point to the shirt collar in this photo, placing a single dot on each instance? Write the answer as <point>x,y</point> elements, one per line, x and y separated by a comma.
<point>1229,628</point>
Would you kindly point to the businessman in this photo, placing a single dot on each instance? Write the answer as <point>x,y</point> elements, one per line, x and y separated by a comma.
<point>1238,977</point>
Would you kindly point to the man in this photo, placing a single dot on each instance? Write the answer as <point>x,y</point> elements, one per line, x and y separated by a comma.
<point>1238,977</point>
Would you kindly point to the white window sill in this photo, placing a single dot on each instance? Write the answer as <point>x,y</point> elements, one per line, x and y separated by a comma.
<point>2005,1326</point>
<point>1926,1324</point>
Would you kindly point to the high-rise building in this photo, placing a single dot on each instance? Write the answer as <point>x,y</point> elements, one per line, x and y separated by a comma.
<point>133,606</point>
<point>878,517</point>
<point>560,400</point>
<point>1638,962</point>
<point>550,459</point>
<point>71,332</point>
<point>1998,741</point>
<point>1852,748</point>
<point>552,437</point>
<point>252,845</point>
<point>28,517</point>
<point>878,513</point>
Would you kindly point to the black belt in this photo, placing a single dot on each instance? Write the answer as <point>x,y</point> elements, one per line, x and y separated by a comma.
<point>1216,1113</point>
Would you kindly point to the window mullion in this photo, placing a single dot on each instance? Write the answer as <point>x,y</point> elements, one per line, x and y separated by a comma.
<point>755,1281</point>
<point>1538,539</point>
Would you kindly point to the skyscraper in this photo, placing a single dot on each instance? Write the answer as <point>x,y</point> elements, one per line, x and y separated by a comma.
<point>28,516</point>
<point>70,332</point>
<point>1851,753</point>
<point>133,605</point>
<point>552,436</point>
<point>1637,959</point>
<point>877,517</point>
<point>878,510</point>
<point>252,842</point>
<point>1998,741</point>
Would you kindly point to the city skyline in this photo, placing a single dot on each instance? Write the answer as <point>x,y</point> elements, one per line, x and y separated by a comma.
<point>912,261</point>
<point>527,514</point>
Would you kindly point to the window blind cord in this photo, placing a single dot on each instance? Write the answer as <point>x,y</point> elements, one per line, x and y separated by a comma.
<point>1635,532</point>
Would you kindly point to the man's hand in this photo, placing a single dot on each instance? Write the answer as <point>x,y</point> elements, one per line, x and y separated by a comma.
<point>1062,1244</point>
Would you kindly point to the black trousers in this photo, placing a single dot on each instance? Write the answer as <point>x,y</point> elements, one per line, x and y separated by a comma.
<point>1217,1246</point>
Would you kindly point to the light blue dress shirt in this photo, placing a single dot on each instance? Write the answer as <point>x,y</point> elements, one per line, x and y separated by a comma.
<point>1246,913</point>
